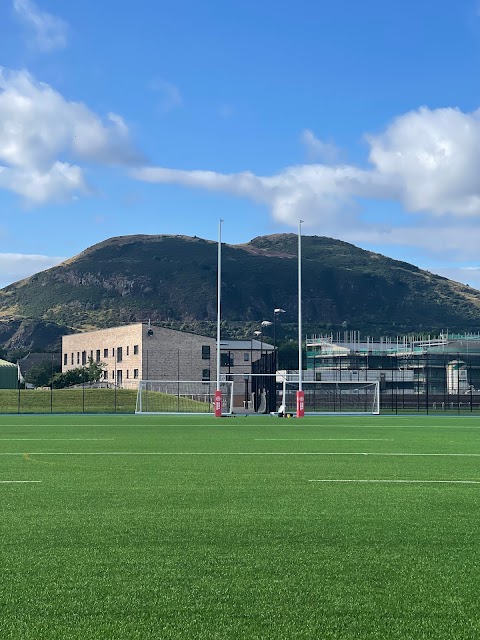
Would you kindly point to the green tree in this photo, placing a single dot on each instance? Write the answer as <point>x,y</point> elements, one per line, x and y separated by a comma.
<point>41,374</point>
<point>288,356</point>
<point>81,375</point>
<point>95,370</point>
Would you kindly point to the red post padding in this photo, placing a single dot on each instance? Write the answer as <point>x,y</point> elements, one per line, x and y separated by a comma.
<point>300,404</point>
<point>218,404</point>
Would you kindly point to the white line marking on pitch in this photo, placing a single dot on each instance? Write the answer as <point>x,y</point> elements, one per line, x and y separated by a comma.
<point>401,481</point>
<point>233,453</point>
<point>323,439</point>
<point>20,481</point>
<point>57,439</point>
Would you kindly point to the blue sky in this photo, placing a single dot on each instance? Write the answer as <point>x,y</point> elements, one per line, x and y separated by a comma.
<point>120,118</point>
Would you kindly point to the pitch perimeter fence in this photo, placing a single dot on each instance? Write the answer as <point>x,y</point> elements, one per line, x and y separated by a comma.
<point>427,383</point>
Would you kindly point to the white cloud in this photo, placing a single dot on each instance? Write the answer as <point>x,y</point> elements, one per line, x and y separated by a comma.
<point>16,266</point>
<point>43,135</point>
<point>49,32</point>
<point>426,160</point>
<point>431,159</point>
<point>318,149</point>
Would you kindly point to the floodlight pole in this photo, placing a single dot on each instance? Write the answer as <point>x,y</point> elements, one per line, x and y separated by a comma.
<point>300,393</point>
<point>218,393</point>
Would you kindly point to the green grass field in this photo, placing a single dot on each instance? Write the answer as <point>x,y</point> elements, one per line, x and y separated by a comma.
<point>325,528</point>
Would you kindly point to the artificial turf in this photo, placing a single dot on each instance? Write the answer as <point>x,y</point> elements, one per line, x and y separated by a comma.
<point>195,527</point>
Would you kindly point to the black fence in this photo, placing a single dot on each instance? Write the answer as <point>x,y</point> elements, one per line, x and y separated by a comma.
<point>413,383</point>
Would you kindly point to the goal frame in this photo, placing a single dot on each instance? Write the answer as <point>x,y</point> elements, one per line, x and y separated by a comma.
<point>375,384</point>
<point>226,387</point>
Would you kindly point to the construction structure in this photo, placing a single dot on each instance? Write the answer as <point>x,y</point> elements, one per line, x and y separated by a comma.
<point>436,371</point>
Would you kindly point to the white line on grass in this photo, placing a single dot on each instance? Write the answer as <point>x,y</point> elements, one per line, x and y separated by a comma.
<point>235,453</point>
<point>57,439</point>
<point>400,481</point>
<point>20,481</point>
<point>323,439</point>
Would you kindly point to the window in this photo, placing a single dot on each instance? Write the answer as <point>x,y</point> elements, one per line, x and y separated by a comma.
<point>84,358</point>
<point>226,360</point>
<point>119,354</point>
<point>97,355</point>
<point>105,353</point>
<point>91,355</point>
<point>65,358</point>
<point>205,352</point>
<point>205,374</point>
<point>135,349</point>
<point>246,357</point>
<point>128,353</point>
<point>113,375</point>
<point>113,352</point>
<point>105,375</point>
<point>78,357</point>
<point>135,373</point>
<point>127,373</point>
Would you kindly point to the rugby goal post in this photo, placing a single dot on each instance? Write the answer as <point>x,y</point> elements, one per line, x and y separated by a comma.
<point>182,396</point>
<point>333,397</point>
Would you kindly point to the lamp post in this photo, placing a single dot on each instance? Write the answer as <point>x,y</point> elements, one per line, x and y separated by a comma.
<point>265,323</point>
<point>276,312</point>
<point>255,387</point>
<point>256,334</point>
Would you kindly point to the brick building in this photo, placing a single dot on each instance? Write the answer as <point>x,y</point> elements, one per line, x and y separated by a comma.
<point>142,352</point>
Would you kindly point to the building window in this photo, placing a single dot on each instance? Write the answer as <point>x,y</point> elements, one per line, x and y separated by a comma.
<point>127,373</point>
<point>65,358</point>
<point>246,357</point>
<point>78,357</point>
<point>128,351</point>
<point>113,375</point>
<point>105,353</point>
<point>91,355</point>
<point>119,354</point>
<point>113,352</point>
<point>205,352</point>
<point>97,355</point>
<point>135,373</point>
<point>84,358</point>
<point>205,374</point>
<point>72,359</point>
<point>105,375</point>
<point>226,360</point>
<point>135,349</point>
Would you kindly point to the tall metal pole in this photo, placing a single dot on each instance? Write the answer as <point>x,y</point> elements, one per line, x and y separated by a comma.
<point>300,394</point>
<point>218,393</point>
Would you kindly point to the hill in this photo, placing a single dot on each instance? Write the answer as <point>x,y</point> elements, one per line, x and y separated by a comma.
<point>172,280</point>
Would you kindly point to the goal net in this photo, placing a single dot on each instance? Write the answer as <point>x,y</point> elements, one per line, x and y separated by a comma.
<point>181,396</point>
<point>333,397</point>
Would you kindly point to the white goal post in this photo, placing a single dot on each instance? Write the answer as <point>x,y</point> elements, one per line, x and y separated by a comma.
<point>182,396</point>
<point>333,397</point>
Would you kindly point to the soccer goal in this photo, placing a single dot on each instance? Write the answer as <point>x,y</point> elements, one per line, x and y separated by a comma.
<point>181,396</point>
<point>333,397</point>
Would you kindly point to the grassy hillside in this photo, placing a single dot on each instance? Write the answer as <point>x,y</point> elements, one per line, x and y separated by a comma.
<point>172,280</point>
